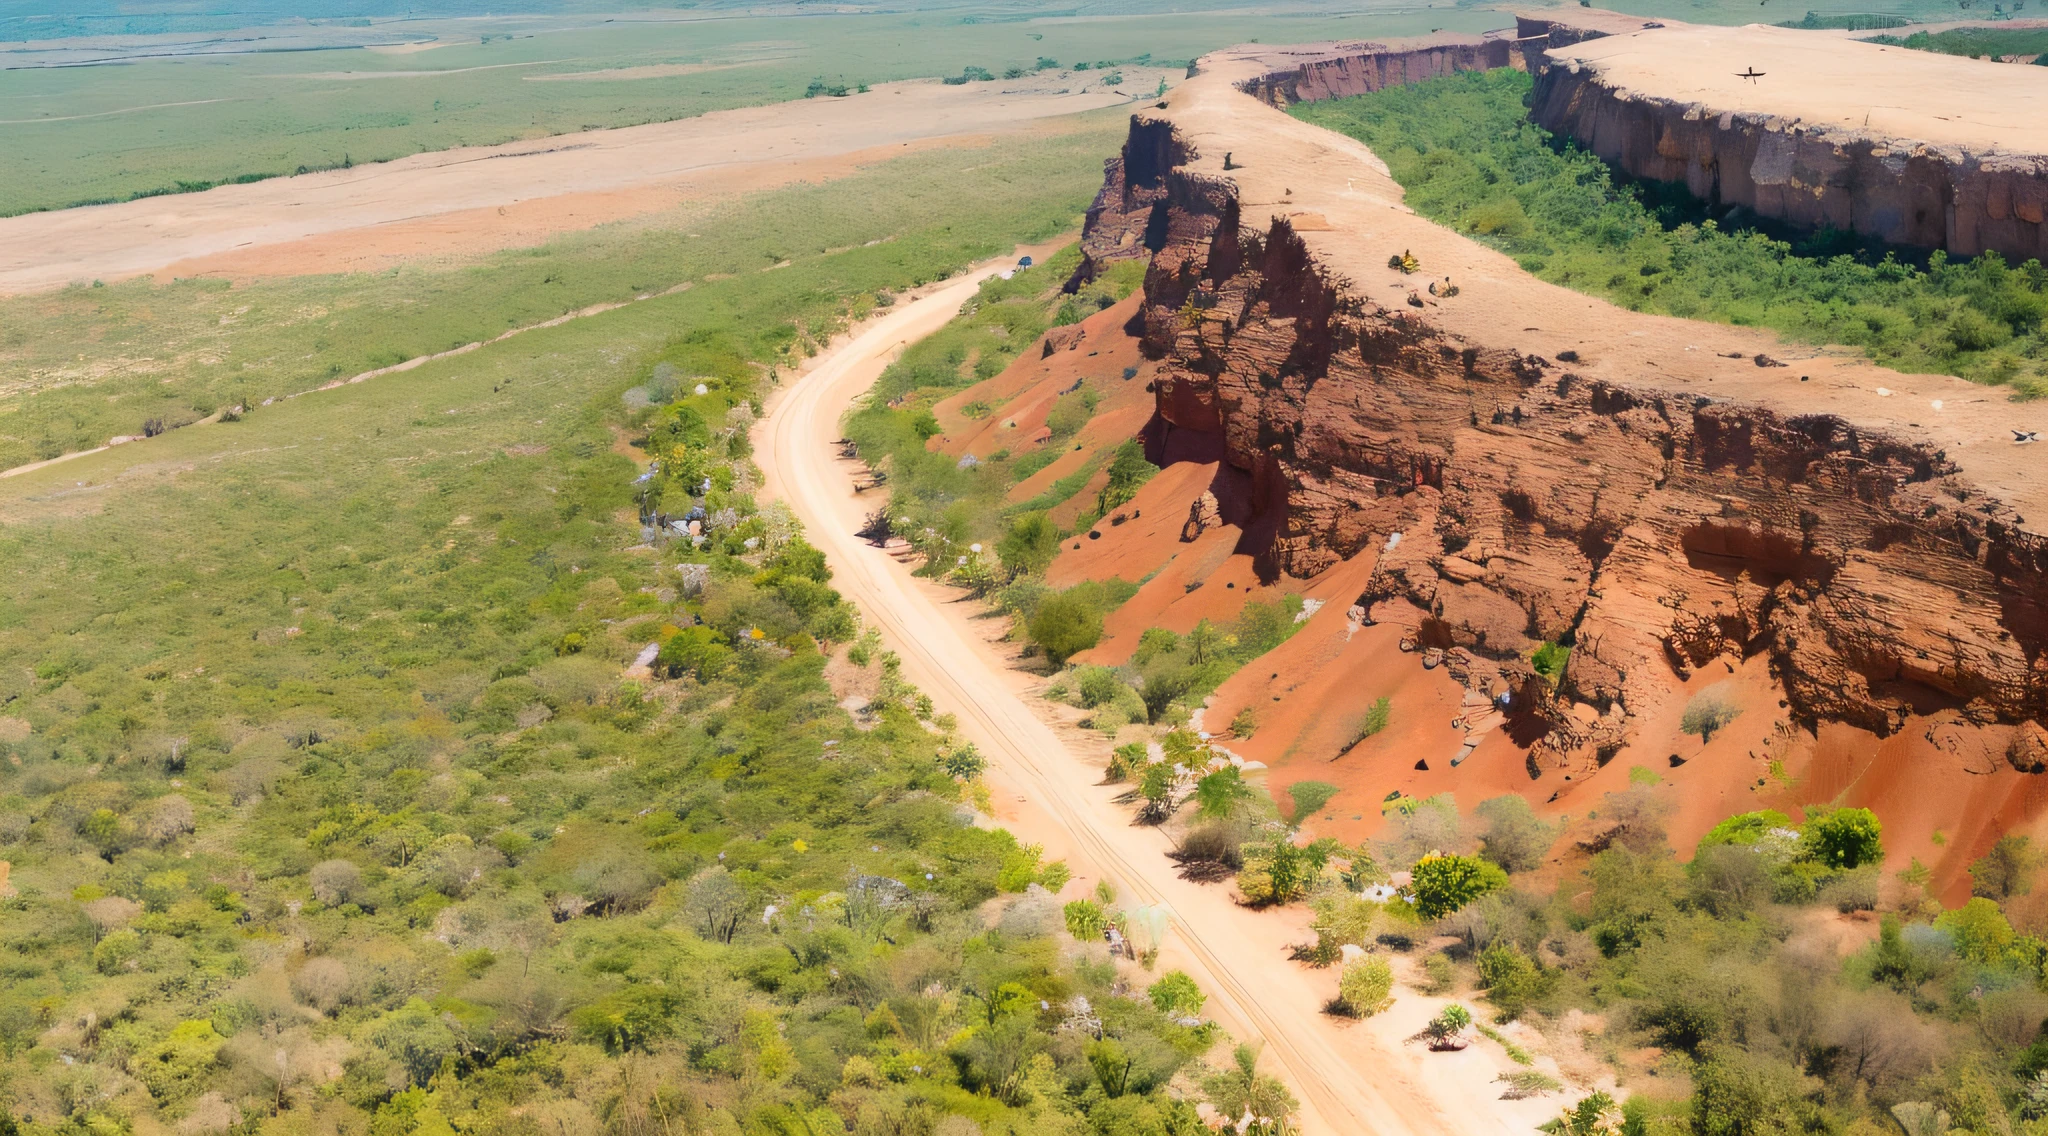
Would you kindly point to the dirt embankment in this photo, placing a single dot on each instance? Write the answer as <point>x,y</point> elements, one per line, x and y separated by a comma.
<point>1815,130</point>
<point>1528,465</point>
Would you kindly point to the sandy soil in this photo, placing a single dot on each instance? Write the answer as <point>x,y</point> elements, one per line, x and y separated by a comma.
<point>447,201</point>
<point>1351,1077</point>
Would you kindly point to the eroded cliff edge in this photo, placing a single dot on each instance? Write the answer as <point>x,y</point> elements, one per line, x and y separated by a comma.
<point>1655,492</point>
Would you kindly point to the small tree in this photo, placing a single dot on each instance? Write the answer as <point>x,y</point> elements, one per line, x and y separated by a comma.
<point>1843,838</point>
<point>1443,884</point>
<point>2006,870</point>
<point>1707,712</point>
<point>1366,986</point>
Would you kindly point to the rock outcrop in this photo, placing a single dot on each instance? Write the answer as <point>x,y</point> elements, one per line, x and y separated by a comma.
<point>1657,501</point>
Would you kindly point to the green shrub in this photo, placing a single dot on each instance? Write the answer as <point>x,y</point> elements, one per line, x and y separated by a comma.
<point>1176,995</point>
<point>1843,838</point>
<point>1085,920</point>
<point>1309,797</point>
<point>1366,986</point>
<point>1065,625</point>
<point>1510,978</point>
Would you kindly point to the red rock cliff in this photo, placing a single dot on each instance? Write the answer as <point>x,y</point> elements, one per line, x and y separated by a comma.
<point>1649,498</point>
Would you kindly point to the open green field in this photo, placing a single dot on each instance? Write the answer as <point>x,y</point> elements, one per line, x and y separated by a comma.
<point>81,134</point>
<point>328,807</point>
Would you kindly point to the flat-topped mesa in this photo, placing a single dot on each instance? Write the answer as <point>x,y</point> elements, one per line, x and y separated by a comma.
<point>1815,130</point>
<point>1658,492</point>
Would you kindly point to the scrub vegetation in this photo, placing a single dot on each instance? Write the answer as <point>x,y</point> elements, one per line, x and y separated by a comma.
<point>1464,150</point>
<point>329,801</point>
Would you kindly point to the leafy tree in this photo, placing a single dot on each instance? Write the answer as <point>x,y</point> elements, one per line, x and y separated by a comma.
<point>1443,884</point>
<point>1066,624</point>
<point>1844,838</point>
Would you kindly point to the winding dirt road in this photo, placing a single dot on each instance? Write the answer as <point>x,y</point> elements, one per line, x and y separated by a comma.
<point>1351,1077</point>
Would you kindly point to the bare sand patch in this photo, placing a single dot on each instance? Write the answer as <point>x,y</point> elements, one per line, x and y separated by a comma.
<point>467,233</point>
<point>349,76</point>
<point>651,71</point>
<point>415,48</point>
<point>604,175</point>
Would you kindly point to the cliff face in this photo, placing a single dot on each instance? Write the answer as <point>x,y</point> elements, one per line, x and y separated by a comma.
<point>1813,139</point>
<point>1333,72</point>
<point>1517,498</point>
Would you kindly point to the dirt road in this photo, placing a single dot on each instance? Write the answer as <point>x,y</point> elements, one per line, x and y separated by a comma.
<point>476,199</point>
<point>1351,1077</point>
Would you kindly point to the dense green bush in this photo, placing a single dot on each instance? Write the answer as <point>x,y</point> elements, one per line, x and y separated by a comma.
<point>1468,157</point>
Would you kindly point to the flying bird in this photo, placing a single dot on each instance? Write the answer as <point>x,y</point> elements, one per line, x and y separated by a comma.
<point>1751,74</point>
<point>2022,437</point>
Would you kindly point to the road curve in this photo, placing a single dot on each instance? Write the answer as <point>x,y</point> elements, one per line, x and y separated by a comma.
<point>1348,1080</point>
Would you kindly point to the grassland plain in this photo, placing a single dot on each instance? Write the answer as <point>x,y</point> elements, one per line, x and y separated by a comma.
<point>88,363</point>
<point>326,806</point>
<point>1463,149</point>
<point>80,134</point>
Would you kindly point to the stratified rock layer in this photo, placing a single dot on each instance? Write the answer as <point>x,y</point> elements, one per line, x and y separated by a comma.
<point>1908,147</point>
<point>1535,465</point>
